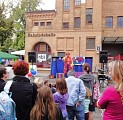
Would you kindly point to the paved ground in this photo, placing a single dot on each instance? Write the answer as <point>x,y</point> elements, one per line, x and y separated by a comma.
<point>98,112</point>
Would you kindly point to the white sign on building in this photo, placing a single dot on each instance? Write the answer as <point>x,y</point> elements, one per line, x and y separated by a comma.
<point>42,57</point>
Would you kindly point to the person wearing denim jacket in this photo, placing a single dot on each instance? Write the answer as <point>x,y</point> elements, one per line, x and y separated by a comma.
<point>77,93</point>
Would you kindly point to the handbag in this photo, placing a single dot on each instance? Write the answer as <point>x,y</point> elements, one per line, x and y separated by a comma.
<point>95,97</point>
<point>96,92</point>
<point>92,107</point>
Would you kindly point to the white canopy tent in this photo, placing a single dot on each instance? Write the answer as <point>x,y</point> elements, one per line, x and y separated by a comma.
<point>20,52</point>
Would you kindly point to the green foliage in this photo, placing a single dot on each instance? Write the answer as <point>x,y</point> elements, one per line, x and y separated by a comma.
<point>19,42</point>
<point>18,15</point>
<point>15,23</point>
<point>6,45</point>
<point>6,29</point>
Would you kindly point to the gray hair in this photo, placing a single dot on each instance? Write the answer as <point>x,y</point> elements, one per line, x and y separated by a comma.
<point>71,73</point>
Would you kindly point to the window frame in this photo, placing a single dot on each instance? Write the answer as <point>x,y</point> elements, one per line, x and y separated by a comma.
<point>47,23</point>
<point>109,24</point>
<point>75,22</point>
<point>89,14</point>
<point>63,24</point>
<point>120,23</point>
<point>90,45</point>
<point>77,2</point>
<point>66,5</point>
<point>34,24</point>
<point>41,24</point>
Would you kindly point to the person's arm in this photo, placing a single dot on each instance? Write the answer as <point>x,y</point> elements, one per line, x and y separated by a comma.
<point>2,86</point>
<point>104,100</point>
<point>59,115</point>
<point>82,91</point>
<point>34,93</point>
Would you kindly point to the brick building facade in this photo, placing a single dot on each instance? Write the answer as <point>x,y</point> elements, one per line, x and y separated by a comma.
<point>81,27</point>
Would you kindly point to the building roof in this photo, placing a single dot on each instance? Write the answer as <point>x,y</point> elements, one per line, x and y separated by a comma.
<point>42,11</point>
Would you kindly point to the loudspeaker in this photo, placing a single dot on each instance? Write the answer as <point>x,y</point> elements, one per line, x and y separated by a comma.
<point>103,57</point>
<point>32,57</point>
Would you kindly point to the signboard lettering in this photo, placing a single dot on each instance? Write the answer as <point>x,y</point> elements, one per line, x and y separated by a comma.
<point>41,57</point>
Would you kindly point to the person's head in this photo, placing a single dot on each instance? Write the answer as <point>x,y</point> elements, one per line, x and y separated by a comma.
<point>67,54</point>
<point>21,68</point>
<point>39,82</point>
<point>46,82</point>
<point>3,73</point>
<point>71,73</point>
<point>86,67</point>
<point>44,105</point>
<point>88,92</point>
<point>61,86</point>
<point>115,69</point>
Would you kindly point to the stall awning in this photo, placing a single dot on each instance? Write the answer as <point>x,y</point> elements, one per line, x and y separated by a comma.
<point>20,52</point>
<point>115,40</point>
<point>4,55</point>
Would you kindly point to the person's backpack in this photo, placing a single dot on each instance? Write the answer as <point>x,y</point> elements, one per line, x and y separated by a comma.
<point>7,105</point>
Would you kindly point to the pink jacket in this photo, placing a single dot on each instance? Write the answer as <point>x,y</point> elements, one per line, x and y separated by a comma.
<point>111,102</point>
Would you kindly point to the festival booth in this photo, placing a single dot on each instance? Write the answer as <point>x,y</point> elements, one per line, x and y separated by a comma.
<point>58,66</point>
<point>20,53</point>
<point>7,59</point>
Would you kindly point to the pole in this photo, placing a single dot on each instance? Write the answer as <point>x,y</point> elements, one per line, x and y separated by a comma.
<point>32,64</point>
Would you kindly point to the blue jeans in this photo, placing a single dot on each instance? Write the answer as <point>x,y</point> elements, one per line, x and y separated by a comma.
<point>78,111</point>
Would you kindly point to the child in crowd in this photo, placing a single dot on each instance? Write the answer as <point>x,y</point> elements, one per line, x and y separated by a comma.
<point>46,82</point>
<point>39,82</point>
<point>45,107</point>
<point>53,88</point>
<point>61,96</point>
<point>87,102</point>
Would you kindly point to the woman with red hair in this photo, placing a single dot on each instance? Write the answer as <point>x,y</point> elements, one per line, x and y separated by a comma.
<point>23,92</point>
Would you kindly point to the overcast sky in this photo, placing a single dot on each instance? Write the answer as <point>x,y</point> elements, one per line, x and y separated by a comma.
<point>48,4</point>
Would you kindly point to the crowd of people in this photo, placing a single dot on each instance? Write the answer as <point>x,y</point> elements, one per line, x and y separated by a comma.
<point>69,98</point>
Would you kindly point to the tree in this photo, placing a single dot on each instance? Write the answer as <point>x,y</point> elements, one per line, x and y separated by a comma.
<point>6,29</point>
<point>12,21</point>
<point>18,15</point>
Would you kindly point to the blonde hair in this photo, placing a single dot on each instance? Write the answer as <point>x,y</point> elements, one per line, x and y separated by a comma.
<point>39,82</point>
<point>88,92</point>
<point>116,70</point>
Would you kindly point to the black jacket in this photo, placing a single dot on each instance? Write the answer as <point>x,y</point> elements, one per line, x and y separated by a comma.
<point>24,95</point>
<point>1,81</point>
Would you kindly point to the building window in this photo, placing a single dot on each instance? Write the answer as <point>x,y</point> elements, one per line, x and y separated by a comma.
<point>36,23</point>
<point>42,23</point>
<point>77,22</point>
<point>109,22</point>
<point>89,12</point>
<point>48,23</point>
<point>61,54</point>
<point>65,25</point>
<point>90,43</point>
<point>43,56</point>
<point>77,2</point>
<point>120,21</point>
<point>66,4</point>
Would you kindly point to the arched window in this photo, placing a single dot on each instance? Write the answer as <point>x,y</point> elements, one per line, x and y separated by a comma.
<point>77,2</point>
<point>43,55</point>
<point>66,5</point>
